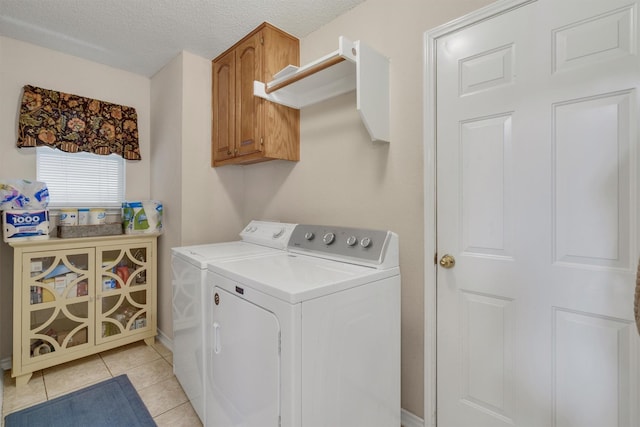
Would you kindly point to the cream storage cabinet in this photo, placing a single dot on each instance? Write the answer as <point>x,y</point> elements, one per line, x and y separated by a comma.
<point>76,297</point>
<point>245,128</point>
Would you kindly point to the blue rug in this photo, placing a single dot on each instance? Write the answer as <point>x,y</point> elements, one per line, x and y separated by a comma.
<point>111,403</point>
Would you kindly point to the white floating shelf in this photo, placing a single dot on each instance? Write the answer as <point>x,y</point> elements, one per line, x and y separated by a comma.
<point>354,66</point>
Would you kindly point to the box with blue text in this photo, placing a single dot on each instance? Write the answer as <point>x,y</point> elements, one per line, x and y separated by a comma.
<point>25,225</point>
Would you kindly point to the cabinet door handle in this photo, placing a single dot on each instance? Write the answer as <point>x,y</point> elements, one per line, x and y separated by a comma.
<point>216,338</point>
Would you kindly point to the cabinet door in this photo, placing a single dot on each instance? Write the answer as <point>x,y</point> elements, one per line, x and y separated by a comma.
<point>224,114</point>
<point>123,291</point>
<point>249,113</point>
<point>57,301</point>
<point>281,134</point>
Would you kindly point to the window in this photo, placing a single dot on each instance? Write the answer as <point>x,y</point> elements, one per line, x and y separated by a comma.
<point>81,179</point>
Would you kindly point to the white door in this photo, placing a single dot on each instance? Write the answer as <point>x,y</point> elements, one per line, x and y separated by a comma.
<point>245,364</point>
<point>537,201</point>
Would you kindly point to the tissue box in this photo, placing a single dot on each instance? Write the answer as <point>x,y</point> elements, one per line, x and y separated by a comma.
<point>25,225</point>
<point>142,217</point>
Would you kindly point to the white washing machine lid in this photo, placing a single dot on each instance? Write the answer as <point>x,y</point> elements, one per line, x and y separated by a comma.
<point>295,278</point>
<point>257,238</point>
<point>200,255</point>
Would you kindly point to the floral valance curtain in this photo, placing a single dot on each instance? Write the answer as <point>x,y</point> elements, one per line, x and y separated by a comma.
<point>73,123</point>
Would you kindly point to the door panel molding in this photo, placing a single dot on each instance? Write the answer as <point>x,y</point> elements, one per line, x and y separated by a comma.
<point>616,38</point>
<point>605,245</point>
<point>482,138</point>
<point>573,333</point>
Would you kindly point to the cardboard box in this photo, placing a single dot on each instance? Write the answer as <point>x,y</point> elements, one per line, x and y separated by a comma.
<point>79,337</point>
<point>47,295</point>
<point>82,289</point>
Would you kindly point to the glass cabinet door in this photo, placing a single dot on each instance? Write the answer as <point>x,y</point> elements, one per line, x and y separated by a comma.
<point>59,306</point>
<point>123,291</point>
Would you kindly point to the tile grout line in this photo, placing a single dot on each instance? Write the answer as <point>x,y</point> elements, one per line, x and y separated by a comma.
<point>105,365</point>
<point>44,383</point>
<point>163,355</point>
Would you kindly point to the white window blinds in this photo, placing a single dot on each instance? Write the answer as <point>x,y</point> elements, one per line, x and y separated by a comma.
<point>81,179</point>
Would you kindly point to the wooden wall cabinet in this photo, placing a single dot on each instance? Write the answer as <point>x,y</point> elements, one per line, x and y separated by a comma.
<point>80,296</point>
<point>248,129</point>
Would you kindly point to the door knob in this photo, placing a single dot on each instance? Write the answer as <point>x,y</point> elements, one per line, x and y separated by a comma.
<point>447,261</point>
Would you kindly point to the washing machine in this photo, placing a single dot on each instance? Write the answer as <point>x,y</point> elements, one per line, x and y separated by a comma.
<point>309,337</point>
<point>189,267</point>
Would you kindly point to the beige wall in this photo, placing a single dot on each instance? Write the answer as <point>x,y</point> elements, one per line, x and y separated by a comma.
<point>345,179</point>
<point>166,175</point>
<point>201,204</point>
<point>212,199</point>
<point>23,63</point>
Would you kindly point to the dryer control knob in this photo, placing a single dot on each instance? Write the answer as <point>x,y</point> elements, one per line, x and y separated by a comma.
<point>278,233</point>
<point>328,238</point>
<point>352,240</point>
<point>309,235</point>
<point>365,242</point>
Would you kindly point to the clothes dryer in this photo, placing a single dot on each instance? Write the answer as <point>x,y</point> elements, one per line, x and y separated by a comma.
<point>189,267</point>
<point>308,337</point>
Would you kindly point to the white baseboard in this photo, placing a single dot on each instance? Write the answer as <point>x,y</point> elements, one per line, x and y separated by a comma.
<point>409,420</point>
<point>165,340</point>
<point>5,364</point>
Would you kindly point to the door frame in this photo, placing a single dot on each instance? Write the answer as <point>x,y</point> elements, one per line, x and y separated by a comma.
<point>430,184</point>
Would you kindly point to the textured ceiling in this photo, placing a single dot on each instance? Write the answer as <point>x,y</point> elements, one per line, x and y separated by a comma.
<point>142,36</point>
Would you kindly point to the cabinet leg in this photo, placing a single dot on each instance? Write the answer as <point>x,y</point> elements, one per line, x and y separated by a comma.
<point>22,380</point>
<point>150,340</point>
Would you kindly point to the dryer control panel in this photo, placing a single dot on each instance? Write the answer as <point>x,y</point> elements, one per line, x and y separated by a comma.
<point>267,233</point>
<point>362,246</point>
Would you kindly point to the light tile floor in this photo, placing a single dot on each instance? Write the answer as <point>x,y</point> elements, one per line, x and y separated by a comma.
<point>149,368</point>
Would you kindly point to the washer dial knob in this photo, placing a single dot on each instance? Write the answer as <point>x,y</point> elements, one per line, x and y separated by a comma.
<point>278,233</point>
<point>309,235</point>
<point>365,242</point>
<point>328,238</point>
<point>352,240</point>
